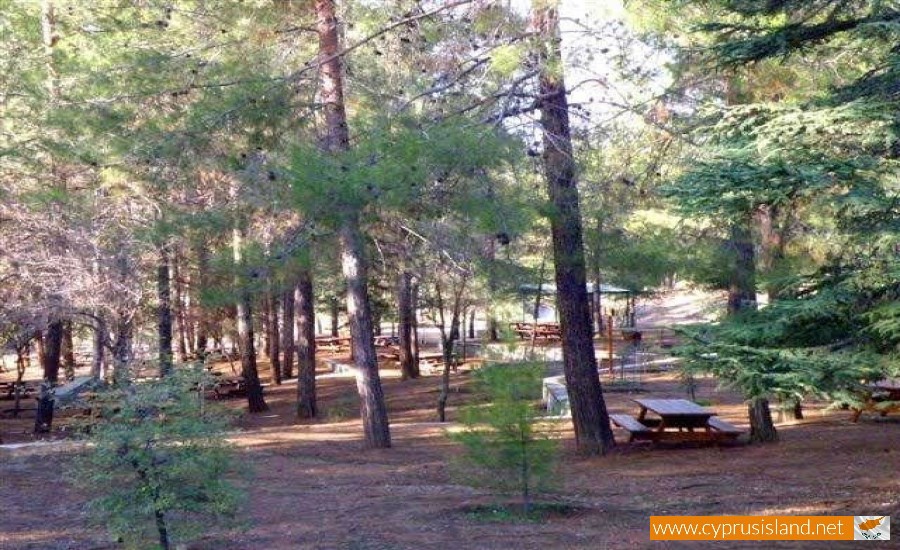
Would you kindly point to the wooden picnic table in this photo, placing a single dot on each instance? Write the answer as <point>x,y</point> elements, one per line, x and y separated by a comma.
<point>387,341</point>
<point>8,389</point>
<point>882,397</point>
<point>543,331</point>
<point>332,343</point>
<point>675,420</point>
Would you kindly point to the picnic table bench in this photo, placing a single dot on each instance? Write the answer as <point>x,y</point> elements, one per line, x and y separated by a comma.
<point>389,353</point>
<point>675,420</point>
<point>882,397</point>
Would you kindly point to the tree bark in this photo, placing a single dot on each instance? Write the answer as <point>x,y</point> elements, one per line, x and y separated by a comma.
<point>306,346</point>
<point>273,338</point>
<point>123,350</point>
<point>762,429</point>
<point>771,246</point>
<point>50,362</point>
<point>414,326</point>
<point>99,350</point>
<point>178,309</point>
<point>593,434</point>
<point>68,351</point>
<point>368,382</point>
<point>336,139</point>
<point>408,366</point>
<point>164,312</point>
<point>255,400</point>
<point>334,310</point>
<point>288,345</point>
<point>52,351</point>
<point>52,340</point>
<point>493,332</point>
<point>742,284</point>
<point>200,313</point>
<point>447,340</point>
<point>376,318</point>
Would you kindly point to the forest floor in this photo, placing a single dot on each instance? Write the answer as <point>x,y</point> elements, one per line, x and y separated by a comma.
<point>313,485</point>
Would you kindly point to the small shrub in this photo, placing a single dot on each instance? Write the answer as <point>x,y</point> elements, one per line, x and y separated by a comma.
<point>157,463</point>
<point>506,447</point>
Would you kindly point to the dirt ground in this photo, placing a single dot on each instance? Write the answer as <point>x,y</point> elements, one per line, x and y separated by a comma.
<point>315,486</point>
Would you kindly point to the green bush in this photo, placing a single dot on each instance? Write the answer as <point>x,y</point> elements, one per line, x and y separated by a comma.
<point>506,447</point>
<point>157,463</point>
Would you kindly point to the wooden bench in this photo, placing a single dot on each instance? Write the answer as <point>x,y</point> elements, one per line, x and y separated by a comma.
<point>634,427</point>
<point>723,429</point>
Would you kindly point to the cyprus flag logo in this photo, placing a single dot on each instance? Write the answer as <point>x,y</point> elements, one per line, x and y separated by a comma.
<point>871,527</point>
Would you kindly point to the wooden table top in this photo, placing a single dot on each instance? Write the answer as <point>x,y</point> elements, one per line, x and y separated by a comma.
<point>674,407</point>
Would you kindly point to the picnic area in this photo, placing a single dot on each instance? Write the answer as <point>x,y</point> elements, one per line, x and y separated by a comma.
<point>462,274</point>
<point>406,498</point>
<point>674,457</point>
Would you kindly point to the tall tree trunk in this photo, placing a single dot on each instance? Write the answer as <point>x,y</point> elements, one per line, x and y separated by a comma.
<point>353,261</point>
<point>472,324</point>
<point>50,362</point>
<point>306,346</point>
<point>178,308</point>
<point>335,311</point>
<point>408,366</point>
<point>99,350</point>
<point>368,382</point>
<point>596,297</point>
<point>21,366</point>
<point>593,434</point>
<point>273,338</point>
<point>255,400</point>
<point>52,341</point>
<point>200,313</point>
<point>123,349</point>
<point>414,326</point>
<point>447,340</point>
<point>164,312</point>
<point>762,429</point>
<point>68,351</point>
<point>771,248</point>
<point>742,284</point>
<point>376,319</point>
<point>288,345</point>
<point>493,332</point>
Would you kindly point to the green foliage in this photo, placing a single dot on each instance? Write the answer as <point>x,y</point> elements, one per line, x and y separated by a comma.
<point>824,155</point>
<point>505,446</point>
<point>156,459</point>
